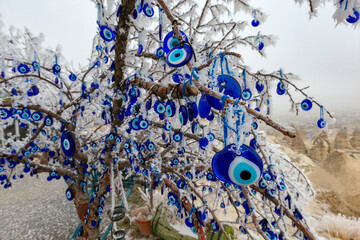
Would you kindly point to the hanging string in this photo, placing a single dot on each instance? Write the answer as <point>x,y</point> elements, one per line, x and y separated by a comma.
<point>193,75</point>
<point>244,77</point>
<point>98,13</point>
<point>160,25</point>
<point>322,112</point>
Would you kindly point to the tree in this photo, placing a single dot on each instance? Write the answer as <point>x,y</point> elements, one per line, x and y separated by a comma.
<point>179,109</point>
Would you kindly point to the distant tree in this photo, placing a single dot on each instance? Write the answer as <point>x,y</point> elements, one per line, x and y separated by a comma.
<point>166,96</point>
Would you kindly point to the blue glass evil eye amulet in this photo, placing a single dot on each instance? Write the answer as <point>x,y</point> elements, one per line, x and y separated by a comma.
<point>241,167</point>
<point>67,144</point>
<point>170,41</point>
<point>229,85</point>
<point>179,56</point>
<point>306,104</point>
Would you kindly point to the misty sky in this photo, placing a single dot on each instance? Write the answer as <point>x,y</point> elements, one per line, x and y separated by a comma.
<point>325,57</point>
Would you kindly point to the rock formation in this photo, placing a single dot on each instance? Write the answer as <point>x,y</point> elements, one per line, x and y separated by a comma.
<point>297,144</point>
<point>355,139</point>
<point>341,140</point>
<point>321,147</point>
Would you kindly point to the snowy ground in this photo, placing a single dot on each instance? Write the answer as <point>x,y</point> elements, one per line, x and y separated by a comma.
<point>36,209</point>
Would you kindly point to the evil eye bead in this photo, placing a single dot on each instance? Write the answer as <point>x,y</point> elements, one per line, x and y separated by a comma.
<point>254,125</point>
<point>255,22</point>
<point>67,144</point>
<point>170,108</point>
<point>23,68</point>
<point>281,86</point>
<point>259,86</point>
<point>69,194</point>
<point>306,104</point>
<point>183,115</point>
<point>36,116</point>
<point>4,113</point>
<point>267,176</point>
<point>204,107</point>
<point>72,77</point>
<point>203,143</point>
<point>177,137</point>
<point>144,124</point>
<point>56,69</point>
<point>190,111</point>
<point>25,113</point>
<point>179,56</point>
<point>170,41</point>
<point>135,14</point>
<point>321,123</point>
<point>211,137</point>
<point>229,86</point>
<point>214,102</point>
<point>281,186</point>
<point>177,77</point>
<point>214,225</point>
<point>246,95</point>
<point>242,167</point>
<point>148,10</point>
<point>135,124</point>
<point>160,52</point>
<point>167,126</point>
<point>355,18</point>
<point>159,107</point>
<point>35,64</point>
<point>48,121</point>
<point>253,144</point>
<point>262,184</point>
<point>149,145</point>
<point>140,49</point>
<point>194,127</point>
<point>107,33</point>
<point>175,161</point>
<point>261,46</point>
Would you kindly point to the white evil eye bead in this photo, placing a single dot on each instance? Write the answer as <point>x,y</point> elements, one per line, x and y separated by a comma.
<point>144,124</point>
<point>160,52</point>
<point>254,125</point>
<point>170,41</point>
<point>194,127</point>
<point>23,68</point>
<point>149,145</point>
<point>68,144</point>
<point>259,86</point>
<point>183,115</point>
<point>107,33</point>
<point>246,94</point>
<point>306,104</point>
<point>355,18</point>
<point>177,137</point>
<point>211,137</point>
<point>135,124</point>
<point>260,46</point>
<point>179,56</point>
<point>148,10</point>
<point>69,194</point>
<point>159,107</point>
<point>203,143</point>
<point>170,108</point>
<point>36,116</point>
<point>4,113</point>
<point>167,126</point>
<point>48,121</point>
<point>255,22</point>
<point>321,123</point>
<point>56,69</point>
<point>72,77</point>
<point>242,169</point>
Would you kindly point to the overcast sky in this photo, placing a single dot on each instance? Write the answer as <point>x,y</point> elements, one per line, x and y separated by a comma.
<point>325,57</point>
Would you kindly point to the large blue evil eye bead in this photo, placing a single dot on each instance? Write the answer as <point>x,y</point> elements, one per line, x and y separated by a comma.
<point>170,108</point>
<point>67,144</point>
<point>4,113</point>
<point>259,86</point>
<point>148,10</point>
<point>159,107</point>
<point>355,18</point>
<point>48,121</point>
<point>177,137</point>
<point>160,52</point>
<point>203,143</point>
<point>107,33</point>
<point>204,107</point>
<point>56,69</point>
<point>36,116</point>
<point>246,95</point>
<point>321,123</point>
<point>306,104</point>
<point>229,86</point>
<point>179,56</point>
<point>255,22</point>
<point>23,68</point>
<point>69,194</point>
<point>242,167</point>
<point>170,41</point>
<point>72,77</point>
<point>183,115</point>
